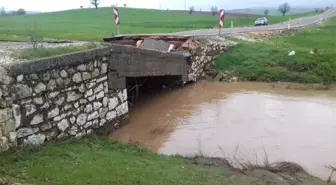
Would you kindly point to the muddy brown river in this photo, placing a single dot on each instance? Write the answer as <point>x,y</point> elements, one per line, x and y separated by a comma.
<point>240,121</point>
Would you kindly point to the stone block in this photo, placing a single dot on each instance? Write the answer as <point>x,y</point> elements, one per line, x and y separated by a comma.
<point>53,113</point>
<point>73,120</point>
<point>45,76</point>
<point>30,109</point>
<point>89,93</point>
<point>113,102</point>
<point>105,101</point>
<point>60,101</point>
<point>51,85</point>
<point>88,124</point>
<point>122,109</point>
<point>86,75</point>
<point>63,125</point>
<point>104,68</point>
<point>38,101</point>
<point>81,119</point>
<point>7,127</point>
<point>77,77</point>
<point>102,79</point>
<point>19,78</point>
<point>92,116</point>
<point>100,95</point>
<point>111,115</point>
<point>88,108</point>
<point>103,112</point>
<point>60,117</point>
<point>4,144</point>
<point>37,119</point>
<point>64,73</point>
<point>81,67</point>
<point>53,94</point>
<point>35,139</point>
<point>97,105</point>
<point>23,91</point>
<point>73,130</point>
<point>17,115</point>
<point>45,126</point>
<point>72,96</point>
<point>23,132</point>
<point>99,88</point>
<point>95,73</point>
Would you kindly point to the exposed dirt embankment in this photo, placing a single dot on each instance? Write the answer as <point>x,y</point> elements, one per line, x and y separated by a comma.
<point>280,173</point>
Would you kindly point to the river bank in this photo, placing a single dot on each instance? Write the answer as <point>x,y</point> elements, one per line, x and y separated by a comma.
<point>205,131</point>
<point>98,160</point>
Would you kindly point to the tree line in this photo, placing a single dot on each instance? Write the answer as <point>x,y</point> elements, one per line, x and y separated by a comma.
<point>283,8</point>
<point>20,11</point>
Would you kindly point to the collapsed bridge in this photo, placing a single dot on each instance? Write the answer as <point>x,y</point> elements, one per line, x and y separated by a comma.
<point>86,92</point>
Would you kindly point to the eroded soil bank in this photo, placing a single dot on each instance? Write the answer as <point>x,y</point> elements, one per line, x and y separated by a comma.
<point>244,122</point>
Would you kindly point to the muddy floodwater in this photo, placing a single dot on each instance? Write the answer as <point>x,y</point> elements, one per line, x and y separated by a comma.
<point>240,121</point>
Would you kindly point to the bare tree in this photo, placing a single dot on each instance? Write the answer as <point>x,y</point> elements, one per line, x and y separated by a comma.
<point>191,9</point>
<point>284,8</point>
<point>266,12</point>
<point>125,5</point>
<point>2,11</point>
<point>32,34</point>
<point>214,10</point>
<point>95,3</point>
<point>21,12</point>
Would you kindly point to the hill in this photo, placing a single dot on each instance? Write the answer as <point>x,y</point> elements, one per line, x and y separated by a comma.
<point>272,11</point>
<point>269,60</point>
<point>92,24</point>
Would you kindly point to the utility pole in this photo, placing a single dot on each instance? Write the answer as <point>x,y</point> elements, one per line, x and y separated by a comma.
<point>185,5</point>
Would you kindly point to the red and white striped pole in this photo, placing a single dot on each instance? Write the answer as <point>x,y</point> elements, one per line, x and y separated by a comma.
<point>116,18</point>
<point>221,19</point>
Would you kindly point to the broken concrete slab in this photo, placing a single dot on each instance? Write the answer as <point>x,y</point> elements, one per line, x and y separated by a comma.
<point>155,45</point>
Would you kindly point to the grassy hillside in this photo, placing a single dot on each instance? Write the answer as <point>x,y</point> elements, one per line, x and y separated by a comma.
<point>92,24</point>
<point>269,60</point>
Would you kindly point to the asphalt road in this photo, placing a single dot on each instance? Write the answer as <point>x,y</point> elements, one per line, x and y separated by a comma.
<point>300,22</point>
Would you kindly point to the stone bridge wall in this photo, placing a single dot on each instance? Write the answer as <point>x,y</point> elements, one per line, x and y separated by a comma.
<point>203,57</point>
<point>58,98</point>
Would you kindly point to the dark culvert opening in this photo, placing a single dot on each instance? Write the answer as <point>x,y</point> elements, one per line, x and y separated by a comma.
<point>142,88</point>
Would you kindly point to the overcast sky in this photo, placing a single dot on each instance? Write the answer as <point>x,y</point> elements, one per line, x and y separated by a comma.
<point>54,5</point>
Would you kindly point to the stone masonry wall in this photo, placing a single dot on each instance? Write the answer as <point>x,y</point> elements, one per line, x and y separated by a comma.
<point>203,56</point>
<point>58,98</point>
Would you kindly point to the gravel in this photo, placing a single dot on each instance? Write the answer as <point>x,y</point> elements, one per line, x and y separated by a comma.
<point>6,48</point>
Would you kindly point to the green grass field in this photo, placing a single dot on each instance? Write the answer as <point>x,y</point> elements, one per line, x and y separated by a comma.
<point>92,24</point>
<point>269,60</point>
<point>99,161</point>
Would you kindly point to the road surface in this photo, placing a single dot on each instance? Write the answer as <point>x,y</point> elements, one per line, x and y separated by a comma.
<point>295,23</point>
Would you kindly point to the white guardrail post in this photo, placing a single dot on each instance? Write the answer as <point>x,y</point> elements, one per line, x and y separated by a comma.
<point>289,23</point>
